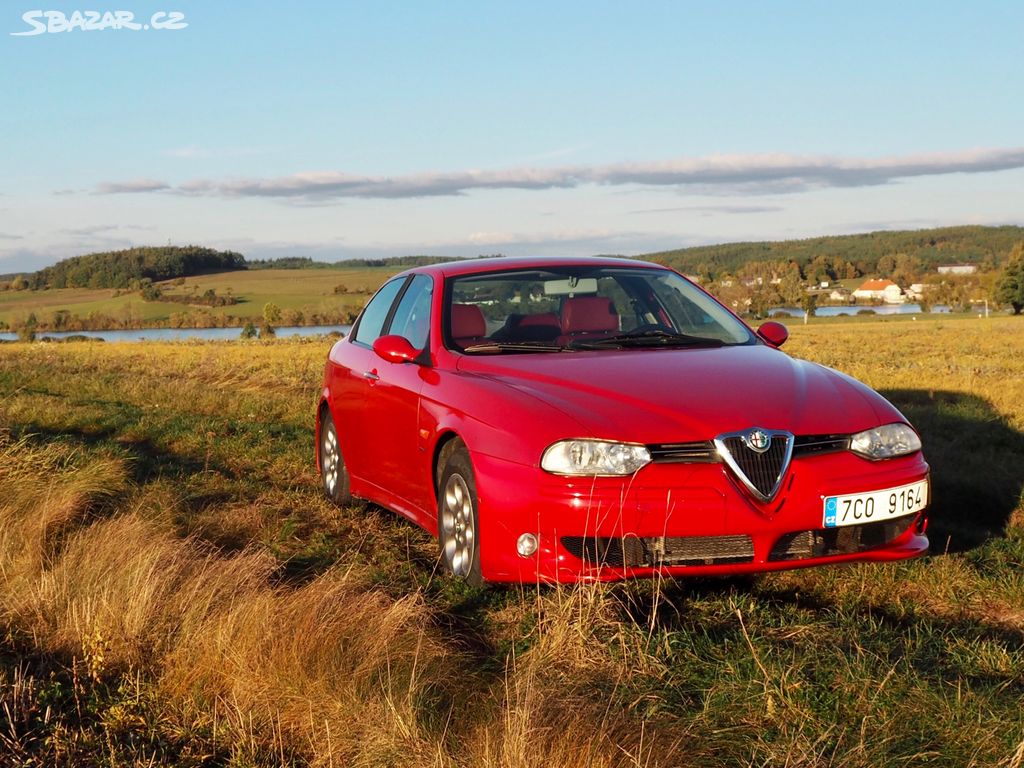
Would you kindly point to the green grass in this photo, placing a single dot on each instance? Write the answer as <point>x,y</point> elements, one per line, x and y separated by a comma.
<point>186,470</point>
<point>310,291</point>
<point>289,288</point>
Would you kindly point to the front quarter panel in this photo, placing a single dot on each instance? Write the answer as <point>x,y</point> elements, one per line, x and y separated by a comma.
<point>497,420</point>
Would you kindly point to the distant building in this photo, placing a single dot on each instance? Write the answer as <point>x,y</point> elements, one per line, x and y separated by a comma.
<point>958,269</point>
<point>839,294</point>
<point>880,290</point>
<point>915,291</point>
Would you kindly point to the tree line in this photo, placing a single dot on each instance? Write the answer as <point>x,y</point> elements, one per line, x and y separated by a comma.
<point>765,272</point>
<point>127,268</point>
<point>838,257</point>
<point>118,269</point>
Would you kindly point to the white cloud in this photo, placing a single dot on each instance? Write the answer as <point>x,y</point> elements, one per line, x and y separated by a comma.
<point>731,174</point>
<point>95,229</point>
<point>134,185</point>
<point>711,209</point>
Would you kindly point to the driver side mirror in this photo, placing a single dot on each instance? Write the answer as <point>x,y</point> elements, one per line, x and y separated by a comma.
<point>774,333</point>
<point>395,349</point>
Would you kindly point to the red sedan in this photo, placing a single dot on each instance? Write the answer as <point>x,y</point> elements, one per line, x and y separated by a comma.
<point>592,418</point>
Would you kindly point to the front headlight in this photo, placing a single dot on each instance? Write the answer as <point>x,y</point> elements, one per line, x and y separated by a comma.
<point>594,457</point>
<point>885,442</point>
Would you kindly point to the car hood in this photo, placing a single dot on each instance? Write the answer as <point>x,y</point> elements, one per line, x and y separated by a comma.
<point>678,395</point>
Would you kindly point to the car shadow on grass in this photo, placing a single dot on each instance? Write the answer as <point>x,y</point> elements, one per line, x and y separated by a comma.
<point>977,461</point>
<point>147,460</point>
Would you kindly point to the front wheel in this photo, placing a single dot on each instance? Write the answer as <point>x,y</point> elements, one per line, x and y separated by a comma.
<point>333,474</point>
<point>457,518</point>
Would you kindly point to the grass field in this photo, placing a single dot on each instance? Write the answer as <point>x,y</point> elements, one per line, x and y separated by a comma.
<point>174,591</point>
<point>310,291</point>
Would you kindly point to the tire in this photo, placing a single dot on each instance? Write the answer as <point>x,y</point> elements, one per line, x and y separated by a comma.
<point>458,518</point>
<point>333,474</point>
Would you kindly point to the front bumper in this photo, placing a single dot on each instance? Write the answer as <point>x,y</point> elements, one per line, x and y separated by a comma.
<point>684,519</point>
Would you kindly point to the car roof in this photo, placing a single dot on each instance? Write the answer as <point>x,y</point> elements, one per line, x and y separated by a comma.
<point>502,263</point>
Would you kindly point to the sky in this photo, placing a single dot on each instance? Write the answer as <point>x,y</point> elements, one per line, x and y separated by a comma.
<point>337,130</point>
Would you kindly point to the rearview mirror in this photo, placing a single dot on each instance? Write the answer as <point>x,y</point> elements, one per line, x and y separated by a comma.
<point>571,287</point>
<point>774,333</point>
<point>395,349</point>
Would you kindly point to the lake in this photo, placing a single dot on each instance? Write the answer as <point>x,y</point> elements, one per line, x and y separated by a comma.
<point>233,334</point>
<point>181,334</point>
<point>884,309</point>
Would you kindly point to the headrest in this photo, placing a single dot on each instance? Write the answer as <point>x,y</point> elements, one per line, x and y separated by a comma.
<point>548,318</point>
<point>582,314</point>
<point>467,321</point>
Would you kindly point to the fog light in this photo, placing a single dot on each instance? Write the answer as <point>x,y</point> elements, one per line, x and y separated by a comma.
<point>526,545</point>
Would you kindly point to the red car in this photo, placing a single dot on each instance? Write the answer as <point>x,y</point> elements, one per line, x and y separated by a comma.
<point>592,418</point>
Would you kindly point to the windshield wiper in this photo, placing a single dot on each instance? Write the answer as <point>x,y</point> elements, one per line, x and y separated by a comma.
<point>495,347</point>
<point>652,338</point>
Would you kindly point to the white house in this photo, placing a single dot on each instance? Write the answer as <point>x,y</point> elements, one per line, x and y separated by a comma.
<point>880,290</point>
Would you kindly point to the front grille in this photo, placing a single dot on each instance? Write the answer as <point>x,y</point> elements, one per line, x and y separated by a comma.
<point>654,551</point>
<point>700,452</point>
<point>847,540</point>
<point>704,451</point>
<point>763,471</point>
<point>812,445</point>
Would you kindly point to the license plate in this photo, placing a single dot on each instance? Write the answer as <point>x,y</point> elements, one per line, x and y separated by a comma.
<point>859,508</point>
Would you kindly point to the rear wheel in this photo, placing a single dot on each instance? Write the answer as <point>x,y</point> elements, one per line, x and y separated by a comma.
<point>333,474</point>
<point>457,518</point>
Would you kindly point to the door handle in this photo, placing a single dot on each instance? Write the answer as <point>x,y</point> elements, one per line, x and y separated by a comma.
<point>371,375</point>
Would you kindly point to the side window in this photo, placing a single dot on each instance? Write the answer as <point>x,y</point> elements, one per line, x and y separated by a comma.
<point>412,318</point>
<point>376,312</point>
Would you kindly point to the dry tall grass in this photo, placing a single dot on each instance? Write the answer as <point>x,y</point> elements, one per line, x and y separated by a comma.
<point>174,591</point>
<point>331,672</point>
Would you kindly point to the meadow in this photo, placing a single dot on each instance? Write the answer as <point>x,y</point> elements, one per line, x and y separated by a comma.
<point>175,591</point>
<point>309,291</point>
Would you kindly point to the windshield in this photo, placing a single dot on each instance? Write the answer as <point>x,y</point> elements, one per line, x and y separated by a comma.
<point>566,308</point>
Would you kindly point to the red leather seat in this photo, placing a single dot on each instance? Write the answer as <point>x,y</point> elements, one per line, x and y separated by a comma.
<point>587,316</point>
<point>541,327</point>
<point>468,324</point>
<point>546,319</point>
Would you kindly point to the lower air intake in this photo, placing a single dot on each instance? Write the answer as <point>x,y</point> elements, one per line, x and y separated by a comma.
<point>654,551</point>
<point>801,545</point>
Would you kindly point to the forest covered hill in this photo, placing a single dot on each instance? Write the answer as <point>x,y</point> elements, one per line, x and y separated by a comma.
<point>987,247</point>
<point>117,269</point>
<point>860,254</point>
<point>130,267</point>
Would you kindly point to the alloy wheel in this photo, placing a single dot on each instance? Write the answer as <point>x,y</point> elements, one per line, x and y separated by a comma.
<point>457,525</point>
